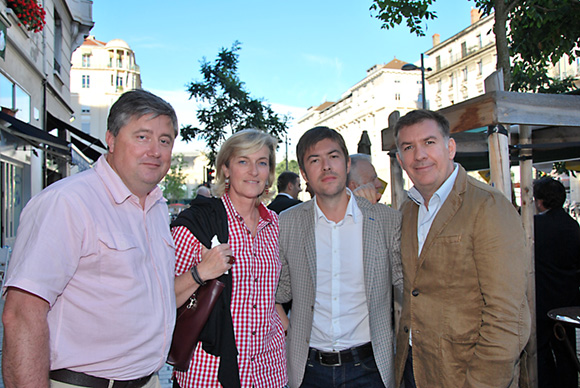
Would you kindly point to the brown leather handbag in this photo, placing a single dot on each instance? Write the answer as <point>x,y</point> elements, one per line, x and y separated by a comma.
<point>190,320</point>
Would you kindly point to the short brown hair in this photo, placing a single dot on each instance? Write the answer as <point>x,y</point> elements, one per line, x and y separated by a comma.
<point>311,137</point>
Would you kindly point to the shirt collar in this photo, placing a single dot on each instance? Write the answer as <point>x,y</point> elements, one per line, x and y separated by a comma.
<point>441,194</point>
<point>287,195</point>
<point>264,213</point>
<point>352,209</point>
<point>119,191</point>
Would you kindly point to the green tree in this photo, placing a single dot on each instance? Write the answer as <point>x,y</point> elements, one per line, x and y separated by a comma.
<point>292,166</point>
<point>540,32</point>
<point>173,184</point>
<point>227,106</point>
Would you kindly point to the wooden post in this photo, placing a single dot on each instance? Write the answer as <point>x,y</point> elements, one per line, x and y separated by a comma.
<point>397,183</point>
<point>498,140</point>
<point>527,211</point>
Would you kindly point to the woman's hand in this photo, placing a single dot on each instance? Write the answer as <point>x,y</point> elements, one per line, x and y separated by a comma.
<point>215,261</point>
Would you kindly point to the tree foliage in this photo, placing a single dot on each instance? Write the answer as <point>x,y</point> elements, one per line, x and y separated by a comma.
<point>540,32</point>
<point>292,166</point>
<point>227,107</point>
<point>174,182</point>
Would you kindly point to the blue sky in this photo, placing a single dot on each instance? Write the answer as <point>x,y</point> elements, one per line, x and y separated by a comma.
<point>295,54</point>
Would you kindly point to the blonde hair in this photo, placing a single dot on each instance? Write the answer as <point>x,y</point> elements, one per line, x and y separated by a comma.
<point>244,143</point>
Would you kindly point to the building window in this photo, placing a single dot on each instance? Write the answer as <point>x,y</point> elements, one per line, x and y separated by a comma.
<point>465,72</point>
<point>86,60</point>
<point>397,96</point>
<point>450,56</point>
<point>119,81</point>
<point>86,81</point>
<point>85,109</point>
<point>480,67</point>
<point>438,63</point>
<point>119,60</point>
<point>57,41</point>
<point>397,81</point>
<point>451,80</point>
<point>463,49</point>
<point>112,80</point>
<point>439,85</point>
<point>14,97</point>
<point>479,41</point>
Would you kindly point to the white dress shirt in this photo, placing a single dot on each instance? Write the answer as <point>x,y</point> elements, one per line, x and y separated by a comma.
<point>341,316</point>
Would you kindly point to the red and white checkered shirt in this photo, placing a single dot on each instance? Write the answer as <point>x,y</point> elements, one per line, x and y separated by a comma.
<point>257,327</point>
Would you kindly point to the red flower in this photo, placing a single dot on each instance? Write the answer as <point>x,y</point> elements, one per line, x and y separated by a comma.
<point>30,13</point>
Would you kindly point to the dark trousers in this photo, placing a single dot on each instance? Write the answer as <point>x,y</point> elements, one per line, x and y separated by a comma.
<point>408,374</point>
<point>556,368</point>
<point>361,373</point>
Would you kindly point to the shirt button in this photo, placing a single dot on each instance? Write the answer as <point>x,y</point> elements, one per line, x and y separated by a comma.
<point>415,292</point>
<point>256,280</point>
<point>254,306</point>
<point>253,333</point>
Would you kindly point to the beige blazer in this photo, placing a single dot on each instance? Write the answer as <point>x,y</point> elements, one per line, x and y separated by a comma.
<point>464,297</point>
<point>382,270</point>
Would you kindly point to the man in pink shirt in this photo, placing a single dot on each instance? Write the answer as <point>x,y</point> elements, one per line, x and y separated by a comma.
<point>89,291</point>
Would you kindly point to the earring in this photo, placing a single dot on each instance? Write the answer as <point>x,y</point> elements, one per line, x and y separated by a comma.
<point>267,190</point>
<point>227,184</point>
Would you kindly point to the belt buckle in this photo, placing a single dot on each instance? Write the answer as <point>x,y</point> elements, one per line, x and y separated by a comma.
<point>325,364</point>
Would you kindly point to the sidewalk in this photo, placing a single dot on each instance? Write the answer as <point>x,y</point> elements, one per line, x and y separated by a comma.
<point>164,373</point>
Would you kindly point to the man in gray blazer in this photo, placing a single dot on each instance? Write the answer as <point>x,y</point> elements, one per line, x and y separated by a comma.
<point>340,258</point>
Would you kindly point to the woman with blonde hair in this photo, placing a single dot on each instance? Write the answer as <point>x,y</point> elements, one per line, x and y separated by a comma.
<point>245,169</point>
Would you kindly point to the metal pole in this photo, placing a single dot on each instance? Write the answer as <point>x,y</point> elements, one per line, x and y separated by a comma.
<point>286,152</point>
<point>423,83</point>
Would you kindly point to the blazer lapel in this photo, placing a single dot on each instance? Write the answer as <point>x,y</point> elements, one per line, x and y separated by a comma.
<point>446,213</point>
<point>369,237</point>
<point>307,221</point>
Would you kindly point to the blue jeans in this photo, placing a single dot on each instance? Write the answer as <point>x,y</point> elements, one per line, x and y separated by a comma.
<point>361,373</point>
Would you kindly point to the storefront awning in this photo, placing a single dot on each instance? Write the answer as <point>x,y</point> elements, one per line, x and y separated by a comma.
<point>90,146</point>
<point>33,135</point>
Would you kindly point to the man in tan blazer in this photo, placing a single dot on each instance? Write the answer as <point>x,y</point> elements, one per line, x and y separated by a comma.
<point>340,258</point>
<point>465,317</point>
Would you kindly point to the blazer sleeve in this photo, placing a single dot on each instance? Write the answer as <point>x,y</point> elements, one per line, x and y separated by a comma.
<point>284,290</point>
<point>502,265</point>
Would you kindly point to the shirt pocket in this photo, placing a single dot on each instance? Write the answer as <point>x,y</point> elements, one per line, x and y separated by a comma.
<point>120,260</point>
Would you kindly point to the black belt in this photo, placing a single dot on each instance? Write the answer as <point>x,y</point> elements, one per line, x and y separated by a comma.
<point>344,356</point>
<point>83,380</point>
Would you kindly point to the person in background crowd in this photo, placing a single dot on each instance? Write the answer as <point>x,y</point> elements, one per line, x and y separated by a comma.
<point>465,318</point>
<point>340,259</point>
<point>245,168</point>
<point>362,172</point>
<point>288,189</point>
<point>93,257</point>
<point>204,191</point>
<point>557,260</point>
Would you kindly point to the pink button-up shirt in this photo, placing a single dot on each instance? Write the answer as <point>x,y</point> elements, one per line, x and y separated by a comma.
<point>105,265</point>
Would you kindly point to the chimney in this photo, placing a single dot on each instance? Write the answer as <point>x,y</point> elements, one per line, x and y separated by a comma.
<point>436,39</point>
<point>475,15</point>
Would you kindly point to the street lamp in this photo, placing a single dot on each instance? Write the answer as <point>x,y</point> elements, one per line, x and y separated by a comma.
<point>410,67</point>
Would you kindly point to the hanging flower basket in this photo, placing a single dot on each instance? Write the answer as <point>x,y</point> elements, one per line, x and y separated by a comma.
<point>30,13</point>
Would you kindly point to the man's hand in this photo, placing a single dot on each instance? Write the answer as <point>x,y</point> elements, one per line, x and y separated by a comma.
<point>25,351</point>
<point>369,192</point>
